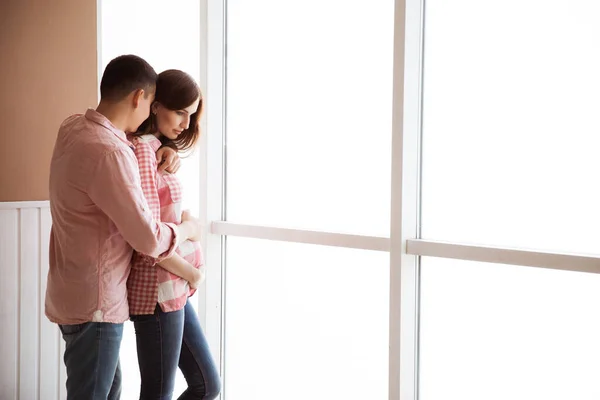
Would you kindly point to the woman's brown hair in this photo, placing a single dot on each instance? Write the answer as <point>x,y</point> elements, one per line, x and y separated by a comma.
<point>176,90</point>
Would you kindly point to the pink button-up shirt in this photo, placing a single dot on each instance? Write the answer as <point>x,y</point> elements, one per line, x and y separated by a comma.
<point>148,283</point>
<point>99,215</point>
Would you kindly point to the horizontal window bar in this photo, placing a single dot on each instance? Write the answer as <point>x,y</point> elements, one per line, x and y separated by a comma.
<point>419,247</point>
<point>530,258</point>
<point>301,236</point>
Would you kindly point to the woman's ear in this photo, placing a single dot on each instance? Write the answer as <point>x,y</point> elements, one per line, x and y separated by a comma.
<point>154,108</point>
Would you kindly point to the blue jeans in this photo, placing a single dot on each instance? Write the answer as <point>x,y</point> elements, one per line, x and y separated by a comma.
<point>92,360</point>
<point>169,340</point>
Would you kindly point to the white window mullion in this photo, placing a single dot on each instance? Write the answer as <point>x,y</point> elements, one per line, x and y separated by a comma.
<point>200,297</point>
<point>213,59</point>
<point>404,267</point>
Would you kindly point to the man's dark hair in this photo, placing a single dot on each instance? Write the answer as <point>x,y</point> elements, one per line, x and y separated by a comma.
<point>126,74</point>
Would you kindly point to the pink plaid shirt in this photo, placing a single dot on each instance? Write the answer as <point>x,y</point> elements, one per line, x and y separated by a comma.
<point>148,283</point>
<point>99,213</point>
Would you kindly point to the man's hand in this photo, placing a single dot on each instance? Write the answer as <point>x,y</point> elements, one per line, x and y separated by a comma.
<point>191,226</point>
<point>197,278</point>
<point>168,160</point>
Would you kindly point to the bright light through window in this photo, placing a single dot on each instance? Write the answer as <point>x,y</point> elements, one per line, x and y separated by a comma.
<point>308,119</point>
<point>309,97</point>
<point>305,321</point>
<point>511,144</point>
<point>510,158</point>
<point>499,332</point>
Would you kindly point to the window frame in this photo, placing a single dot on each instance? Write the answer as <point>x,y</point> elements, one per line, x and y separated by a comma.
<point>404,271</point>
<point>405,244</point>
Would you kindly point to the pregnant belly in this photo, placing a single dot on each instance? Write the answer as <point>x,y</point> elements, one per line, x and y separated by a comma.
<point>192,252</point>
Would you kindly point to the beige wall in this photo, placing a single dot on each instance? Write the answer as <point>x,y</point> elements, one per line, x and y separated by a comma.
<point>48,70</point>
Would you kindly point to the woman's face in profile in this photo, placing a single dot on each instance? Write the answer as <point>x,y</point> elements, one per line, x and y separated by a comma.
<point>171,123</point>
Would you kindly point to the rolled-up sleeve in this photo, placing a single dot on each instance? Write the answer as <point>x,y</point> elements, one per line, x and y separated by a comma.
<point>116,190</point>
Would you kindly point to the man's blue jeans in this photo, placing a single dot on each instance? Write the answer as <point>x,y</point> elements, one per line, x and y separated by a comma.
<point>92,360</point>
<point>166,341</point>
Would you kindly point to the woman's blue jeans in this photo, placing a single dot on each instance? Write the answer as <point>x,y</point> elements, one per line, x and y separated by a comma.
<point>169,340</point>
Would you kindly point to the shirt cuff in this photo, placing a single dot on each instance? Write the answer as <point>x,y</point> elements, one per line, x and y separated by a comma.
<point>173,245</point>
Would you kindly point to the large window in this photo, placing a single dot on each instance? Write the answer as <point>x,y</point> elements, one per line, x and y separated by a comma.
<point>490,117</point>
<point>379,179</point>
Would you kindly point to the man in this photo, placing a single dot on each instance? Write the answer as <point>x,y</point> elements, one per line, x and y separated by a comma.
<point>99,215</point>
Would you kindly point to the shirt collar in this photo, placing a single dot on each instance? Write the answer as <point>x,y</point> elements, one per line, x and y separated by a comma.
<point>100,119</point>
<point>155,142</point>
<point>150,139</point>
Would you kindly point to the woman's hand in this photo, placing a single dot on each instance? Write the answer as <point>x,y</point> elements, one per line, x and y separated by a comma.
<point>197,278</point>
<point>190,227</point>
<point>178,265</point>
<point>168,160</point>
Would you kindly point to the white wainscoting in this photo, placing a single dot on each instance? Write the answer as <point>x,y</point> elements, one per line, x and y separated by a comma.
<point>31,347</point>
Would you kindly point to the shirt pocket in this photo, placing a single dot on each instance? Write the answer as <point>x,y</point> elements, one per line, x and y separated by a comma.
<point>173,186</point>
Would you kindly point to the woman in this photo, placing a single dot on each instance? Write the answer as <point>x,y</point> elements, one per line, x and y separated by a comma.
<point>167,328</point>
